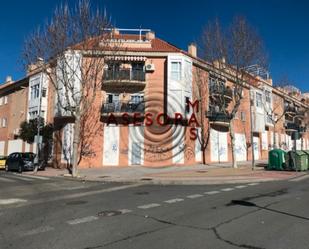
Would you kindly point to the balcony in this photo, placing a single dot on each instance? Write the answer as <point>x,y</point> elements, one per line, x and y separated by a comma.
<point>122,107</point>
<point>218,118</point>
<point>290,110</point>
<point>218,90</point>
<point>123,80</point>
<point>290,127</point>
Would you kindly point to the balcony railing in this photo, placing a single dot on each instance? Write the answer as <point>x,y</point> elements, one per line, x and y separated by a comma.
<point>219,89</point>
<point>292,126</point>
<point>120,107</point>
<point>124,75</point>
<point>220,117</point>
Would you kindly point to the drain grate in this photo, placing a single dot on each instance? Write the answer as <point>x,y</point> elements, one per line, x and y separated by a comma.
<point>76,202</point>
<point>109,213</point>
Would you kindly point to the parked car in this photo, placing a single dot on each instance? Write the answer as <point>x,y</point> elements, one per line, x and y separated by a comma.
<point>2,161</point>
<point>22,161</point>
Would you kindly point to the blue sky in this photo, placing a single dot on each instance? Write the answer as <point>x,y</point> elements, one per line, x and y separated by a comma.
<point>282,24</point>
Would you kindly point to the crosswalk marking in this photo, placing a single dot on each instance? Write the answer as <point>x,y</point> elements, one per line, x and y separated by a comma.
<point>125,211</point>
<point>3,179</point>
<point>194,196</point>
<point>36,177</point>
<point>151,205</point>
<point>174,200</point>
<point>241,186</point>
<point>38,230</point>
<point>11,201</point>
<point>82,220</point>
<point>17,177</point>
<point>227,189</point>
<point>253,184</point>
<point>299,178</point>
<point>212,192</point>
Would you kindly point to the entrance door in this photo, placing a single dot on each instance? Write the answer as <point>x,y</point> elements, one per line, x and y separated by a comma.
<point>136,153</point>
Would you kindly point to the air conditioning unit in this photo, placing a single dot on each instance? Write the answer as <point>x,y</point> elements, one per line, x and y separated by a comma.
<point>150,67</point>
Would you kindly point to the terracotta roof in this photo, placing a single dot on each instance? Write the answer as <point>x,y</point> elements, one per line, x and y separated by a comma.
<point>157,45</point>
<point>11,86</point>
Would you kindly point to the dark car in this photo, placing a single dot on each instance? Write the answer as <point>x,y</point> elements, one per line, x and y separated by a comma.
<point>22,161</point>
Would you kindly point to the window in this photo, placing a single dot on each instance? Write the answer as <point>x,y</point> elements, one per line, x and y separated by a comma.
<point>176,70</point>
<point>268,96</point>
<point>35,91</point>
<point>242,116</point>
<point>4,122</point>
<point>6,99</point>
<point>137,98</point>
<point>44,92</point>
<point>259,102</point>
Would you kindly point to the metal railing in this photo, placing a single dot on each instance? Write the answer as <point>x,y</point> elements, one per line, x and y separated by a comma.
<point>218,116</point>
<point>124,74</point>
<point>220,89</point>
<point>119,106</point>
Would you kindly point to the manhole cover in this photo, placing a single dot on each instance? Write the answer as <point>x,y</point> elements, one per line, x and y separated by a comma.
<point>108,213</point>
<point>76,202</point>
<point>142,193</point>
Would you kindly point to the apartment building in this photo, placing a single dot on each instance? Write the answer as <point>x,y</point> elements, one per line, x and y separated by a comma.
<point>13,111</point>
<point>144,113</point>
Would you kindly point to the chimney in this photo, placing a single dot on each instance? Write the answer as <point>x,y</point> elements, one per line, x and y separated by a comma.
<point>8,79</point>
<point>150,35</point>
<point>192,50</point>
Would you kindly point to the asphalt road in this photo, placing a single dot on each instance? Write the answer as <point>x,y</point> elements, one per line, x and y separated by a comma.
<point>42,212</point>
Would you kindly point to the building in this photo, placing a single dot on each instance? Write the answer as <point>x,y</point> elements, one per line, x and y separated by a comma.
<point>144,111</point>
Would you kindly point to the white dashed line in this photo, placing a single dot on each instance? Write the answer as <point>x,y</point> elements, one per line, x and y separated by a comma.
<point>11,201</point>
<point>174,200</point>
<point>36,177</point>
<point>253,184</point>
<point>125,211</point>
<point>212,192</point>
<point>38,230</point>
<point>6,179</point>
<point>194,196</point>
<point>19,177</point>
<point>151,205</point>
<point>82,220</point>
<point>299,178</point>
<point>227,189</point>
<point>241,186</point>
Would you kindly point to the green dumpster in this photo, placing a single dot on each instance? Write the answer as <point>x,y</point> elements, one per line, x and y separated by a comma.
<point>276,159</point>
<point>297,160</point>
<point>307,153</point>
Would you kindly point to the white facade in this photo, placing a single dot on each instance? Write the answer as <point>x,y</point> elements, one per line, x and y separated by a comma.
<point>38,95</point>
<point>111,144</point>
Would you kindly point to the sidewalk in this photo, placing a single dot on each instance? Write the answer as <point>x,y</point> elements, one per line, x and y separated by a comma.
<point>198,174</point>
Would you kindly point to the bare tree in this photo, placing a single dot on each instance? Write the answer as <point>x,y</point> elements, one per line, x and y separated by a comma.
<point>231,50</point>
<point>200,91</point>
<point>73,47</point>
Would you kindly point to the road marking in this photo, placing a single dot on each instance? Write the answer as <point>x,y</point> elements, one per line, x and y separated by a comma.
<point>82,220</point>
<point>38,230</point>
<point>212,192</point>
<point>227,189</point>
<point>125,211</point>
<point>11,201</point>
<point>194,196</point>
<point>6,179</point>
<point>299,178</point>
<point>78,195</point>
<point>241,186</point>
<point>35,177</point>
<point>174,200</point>
<point>151,205</point>
<point>253,184</point>
<point>19,177</point>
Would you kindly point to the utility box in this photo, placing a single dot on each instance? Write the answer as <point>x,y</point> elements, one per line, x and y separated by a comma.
<point>276,159</point>
<point>297,160</point>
